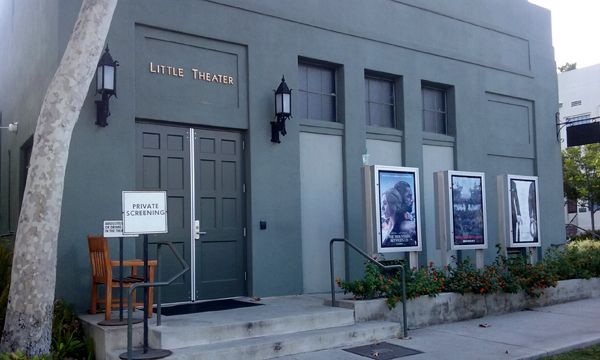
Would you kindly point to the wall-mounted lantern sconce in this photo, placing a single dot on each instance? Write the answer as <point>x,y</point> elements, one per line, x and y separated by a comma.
<point>12,127</point>
<point>283,110</point>
<point>106,85</point>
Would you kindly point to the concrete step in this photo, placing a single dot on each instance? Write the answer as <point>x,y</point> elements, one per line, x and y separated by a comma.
<point>186,331</point>
<point>268,347</point>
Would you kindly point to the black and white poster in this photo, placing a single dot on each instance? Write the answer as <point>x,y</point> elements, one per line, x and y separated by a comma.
<point>467,209</point>
<point>397,204</point>
<point>523,211</point>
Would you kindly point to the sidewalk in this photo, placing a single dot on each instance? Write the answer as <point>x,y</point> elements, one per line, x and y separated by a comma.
<point>522,335</point>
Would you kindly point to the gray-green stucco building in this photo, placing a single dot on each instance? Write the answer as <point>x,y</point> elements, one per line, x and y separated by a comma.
<point>438,85</point>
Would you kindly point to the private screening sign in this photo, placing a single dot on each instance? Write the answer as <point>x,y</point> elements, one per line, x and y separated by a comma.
<point>144,212</point>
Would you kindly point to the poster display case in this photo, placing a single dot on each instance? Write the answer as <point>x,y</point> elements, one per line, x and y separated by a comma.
<point>467,218</point>
<point>521,194</point>
<point>397,204</point>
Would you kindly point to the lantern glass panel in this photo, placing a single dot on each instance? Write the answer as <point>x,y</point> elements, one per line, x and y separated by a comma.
<point>279,103</point>
<point>109,77</point>
<point>99,78</point>
<point>286,103</point>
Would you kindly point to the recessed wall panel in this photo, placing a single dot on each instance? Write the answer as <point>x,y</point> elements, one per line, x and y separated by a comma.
<point>151,169</point>
<point>180,76</point>
<point>322,207</point>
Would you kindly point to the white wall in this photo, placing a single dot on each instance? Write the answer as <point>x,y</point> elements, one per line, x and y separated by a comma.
<point>581,84</point>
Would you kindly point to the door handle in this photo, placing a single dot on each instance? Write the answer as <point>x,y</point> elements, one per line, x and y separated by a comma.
<point>197,231</point>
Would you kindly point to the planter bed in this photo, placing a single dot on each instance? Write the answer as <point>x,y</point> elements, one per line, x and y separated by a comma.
<point>449,307</point>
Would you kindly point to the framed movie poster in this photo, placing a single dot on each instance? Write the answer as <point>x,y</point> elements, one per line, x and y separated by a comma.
<point>523,211</point>
<point>467,210</point>
<point>397,208</point>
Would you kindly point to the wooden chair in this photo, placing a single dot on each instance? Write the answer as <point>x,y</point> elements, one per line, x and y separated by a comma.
<point>102,274</point>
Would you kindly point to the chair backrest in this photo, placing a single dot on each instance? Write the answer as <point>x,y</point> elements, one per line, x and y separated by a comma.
<point>99,258</point>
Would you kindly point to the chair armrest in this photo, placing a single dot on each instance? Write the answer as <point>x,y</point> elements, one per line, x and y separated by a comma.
<point>133,262</point>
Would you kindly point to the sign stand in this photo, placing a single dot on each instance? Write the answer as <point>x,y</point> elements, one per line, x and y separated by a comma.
<point>112,228</point>
<point>532,255</point>
<point>479,259</point>
<point>145,212</point>
<point>413,259</point>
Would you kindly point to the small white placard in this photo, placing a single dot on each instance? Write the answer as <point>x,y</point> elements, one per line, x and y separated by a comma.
<point>114,228</point>
<point>144,212</point>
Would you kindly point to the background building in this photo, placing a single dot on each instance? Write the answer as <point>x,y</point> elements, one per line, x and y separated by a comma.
<point>579,99</point>
<point>462,85</point>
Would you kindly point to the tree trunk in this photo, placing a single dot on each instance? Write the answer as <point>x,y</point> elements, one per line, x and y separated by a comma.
<point>29,313</point>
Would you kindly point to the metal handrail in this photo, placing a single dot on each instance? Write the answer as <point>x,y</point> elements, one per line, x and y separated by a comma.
<point>586,231</point>
<point>384,267</point>
<point>185,268</point>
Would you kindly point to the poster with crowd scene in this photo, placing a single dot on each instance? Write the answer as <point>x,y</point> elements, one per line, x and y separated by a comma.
<point>523,210</point>
<point>397,206</point>
<point>467,210</point>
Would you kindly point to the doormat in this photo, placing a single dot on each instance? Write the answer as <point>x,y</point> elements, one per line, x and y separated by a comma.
<point>215,305</point>
<point>382,351</point>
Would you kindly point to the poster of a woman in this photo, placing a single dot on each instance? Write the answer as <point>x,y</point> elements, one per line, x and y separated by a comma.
<point>397,209</point>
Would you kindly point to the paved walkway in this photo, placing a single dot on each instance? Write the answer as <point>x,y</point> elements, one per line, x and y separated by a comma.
<point>527,334</point>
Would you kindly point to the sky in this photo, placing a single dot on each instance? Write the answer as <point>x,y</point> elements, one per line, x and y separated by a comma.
<point>575,30</point>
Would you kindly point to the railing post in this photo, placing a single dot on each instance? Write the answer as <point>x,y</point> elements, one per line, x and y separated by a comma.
<point>130,323</point>
<point>404,325</point>
<point>331,267</point>
<point>380,265</point>
<point>158,289</point>
<point>145,285</point>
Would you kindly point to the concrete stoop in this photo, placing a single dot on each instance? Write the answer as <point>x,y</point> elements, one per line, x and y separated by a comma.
<point>283,326</point>
<point>272,346</point>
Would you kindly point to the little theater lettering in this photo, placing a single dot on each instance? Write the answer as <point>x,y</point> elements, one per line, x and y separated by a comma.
<point>166,70</point>
<point>206,76</point>
<point>197,74</point>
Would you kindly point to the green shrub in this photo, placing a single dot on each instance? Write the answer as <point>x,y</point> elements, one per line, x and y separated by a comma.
<point>19,355</point>
<point>509,275</point>
<point>532,278</point>
<point>370,287</point>
<point>461,277</point>
<point>6,255</point>
<point>587,236</point>
<point>577,260</point>
<point>419,282</point>
<point>68,339</point>
<point>424,281</point>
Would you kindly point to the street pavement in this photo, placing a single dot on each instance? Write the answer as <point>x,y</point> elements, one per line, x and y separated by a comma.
<point>528,334</point>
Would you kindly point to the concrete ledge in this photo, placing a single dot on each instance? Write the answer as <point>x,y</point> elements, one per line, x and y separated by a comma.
<point>107,338</point>
<point>449,307</point>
